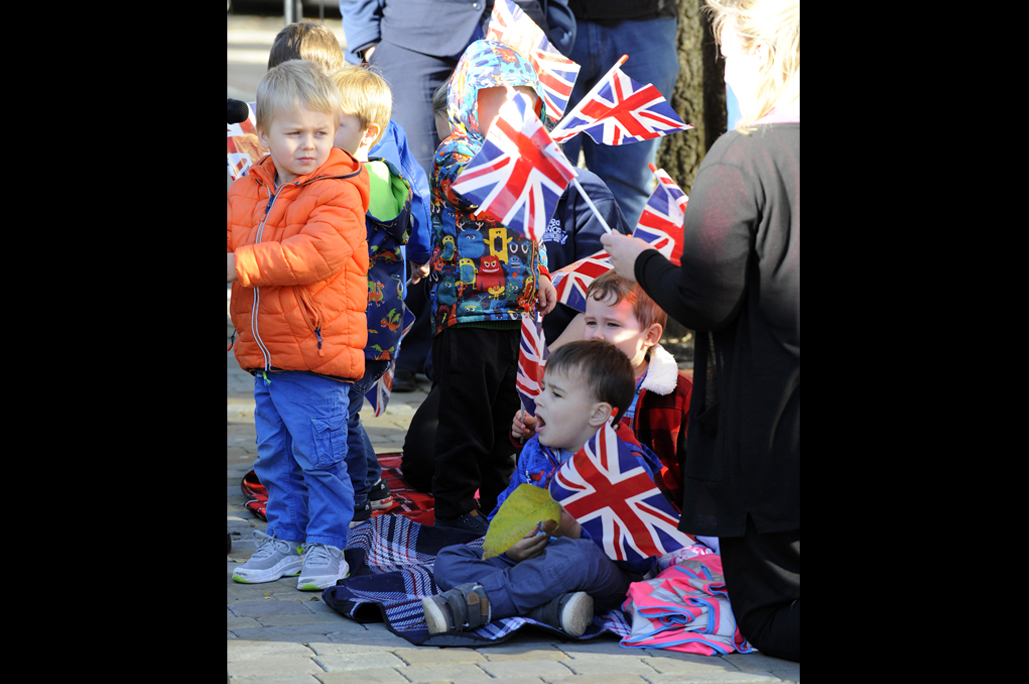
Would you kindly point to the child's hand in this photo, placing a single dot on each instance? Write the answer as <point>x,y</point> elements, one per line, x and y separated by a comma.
<point>546,295</point>
<point>568,527</point>
<point>524,426</point>
<point>419,271</point>
<point>232,268</point>
<point>531,545</point>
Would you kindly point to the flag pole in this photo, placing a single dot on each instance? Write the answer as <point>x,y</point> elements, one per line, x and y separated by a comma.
<point>592,206</point>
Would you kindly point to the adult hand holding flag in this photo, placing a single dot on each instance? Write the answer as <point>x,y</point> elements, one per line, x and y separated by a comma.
<point>618,110</point>
<point>519,173</point>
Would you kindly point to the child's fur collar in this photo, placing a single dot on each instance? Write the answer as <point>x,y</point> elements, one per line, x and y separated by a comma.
<point>662,373</point>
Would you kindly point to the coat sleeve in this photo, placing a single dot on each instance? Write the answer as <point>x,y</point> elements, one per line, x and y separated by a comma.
<point>333,236</point>
<point>360,25</point>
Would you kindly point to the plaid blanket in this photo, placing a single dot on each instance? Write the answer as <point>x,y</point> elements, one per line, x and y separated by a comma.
<point>391,559</point>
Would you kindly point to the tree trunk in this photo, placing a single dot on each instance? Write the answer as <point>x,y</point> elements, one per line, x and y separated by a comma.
<point>699,99</point>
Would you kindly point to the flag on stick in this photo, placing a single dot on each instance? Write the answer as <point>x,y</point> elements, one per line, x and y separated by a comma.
<point>519,173</point>
<point>532,357</point>
<point>244,150</point>
<point>661,221</point>
<point>618,110</point>
<point>510,25</point>
<point>612,496</point>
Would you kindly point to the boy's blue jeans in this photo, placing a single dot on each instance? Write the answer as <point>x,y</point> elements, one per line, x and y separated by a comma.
<point>362,463</point>
<point>301,422</point>
<point>516,588</point>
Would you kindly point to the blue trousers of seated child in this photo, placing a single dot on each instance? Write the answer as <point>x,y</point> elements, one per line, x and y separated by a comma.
<point>516,588</point>
<point>362,463</point>
<point>301,422</point>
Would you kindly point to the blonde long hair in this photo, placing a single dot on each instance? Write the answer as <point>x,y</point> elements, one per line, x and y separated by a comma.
<point>775,24</point>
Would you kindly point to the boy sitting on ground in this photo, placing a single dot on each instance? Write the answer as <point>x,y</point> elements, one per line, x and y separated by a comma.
<point>556,576</point>
<point>620,312</point>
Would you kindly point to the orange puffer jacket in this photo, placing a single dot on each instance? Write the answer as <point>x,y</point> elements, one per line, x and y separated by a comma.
<point>302,266</point>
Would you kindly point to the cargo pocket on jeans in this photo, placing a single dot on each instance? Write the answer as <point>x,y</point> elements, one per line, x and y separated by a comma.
<point>330,440</point>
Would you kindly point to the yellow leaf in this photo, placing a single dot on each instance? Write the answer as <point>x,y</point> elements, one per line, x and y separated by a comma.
<point>526,507</point>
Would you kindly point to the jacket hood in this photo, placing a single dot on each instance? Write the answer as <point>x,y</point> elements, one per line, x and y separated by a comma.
<point>662,373</point>
<point>339,164</point>
<point>486,64</point>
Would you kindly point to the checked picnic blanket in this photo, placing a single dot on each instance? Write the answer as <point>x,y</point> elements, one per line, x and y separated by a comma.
<point>391,560</point>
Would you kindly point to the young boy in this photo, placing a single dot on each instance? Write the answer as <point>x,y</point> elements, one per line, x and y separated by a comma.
<point>556,581</point>
<point>620,312</point>
<point>367,103</point>
<point>484,278</point>
<point>297,258</point>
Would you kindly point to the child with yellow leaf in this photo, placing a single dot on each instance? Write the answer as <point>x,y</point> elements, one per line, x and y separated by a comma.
<point>554,572</point>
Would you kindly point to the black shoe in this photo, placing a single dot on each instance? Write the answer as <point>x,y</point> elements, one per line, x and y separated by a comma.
<point>403,380</point>
<point>360,515</point>
<point>379,496</point>
<point>467,522</point>
<point>571,613</point>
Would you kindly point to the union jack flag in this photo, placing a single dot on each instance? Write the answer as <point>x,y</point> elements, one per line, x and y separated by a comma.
<point>519,174</point>
<point>612,496</point>
<point>661,221</point>
<point>378,394</point>
<point>243,148</point>
<point>510,25</point>
<point>532,357</point>
<point>572,281</point>
<point>619,110</point>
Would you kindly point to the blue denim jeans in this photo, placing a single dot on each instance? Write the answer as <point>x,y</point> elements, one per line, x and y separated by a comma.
<point>362,463</point>
<point>516,588</point>
<point>653,58</point>
<point>301,422</point>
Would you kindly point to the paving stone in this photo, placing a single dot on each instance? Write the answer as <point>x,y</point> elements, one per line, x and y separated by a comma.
<point>368,676</point>
<point>306,618</point>
<point>278,665</point>
<point>699,668</point>
<point>617,678</point>
<point>242,623</point>
<point>524,653</point>
<point>435,655</point>
<point>358,661</point>
<point>259,609</point>
<point>279,678</point>
<point>760,663</point>
<point>458,673</point>
<point>247,649</point>
<point>527,668</point>
<point>601,664</point>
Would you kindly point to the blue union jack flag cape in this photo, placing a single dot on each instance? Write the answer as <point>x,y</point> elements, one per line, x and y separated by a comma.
<point>661,221</point>
<point>618,110</point>
<point>511,26</point>
<point>608,491</point>
<point>519,174</point>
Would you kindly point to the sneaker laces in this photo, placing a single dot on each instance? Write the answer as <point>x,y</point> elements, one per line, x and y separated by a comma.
<point>319,554</point>
<point>267,545</point>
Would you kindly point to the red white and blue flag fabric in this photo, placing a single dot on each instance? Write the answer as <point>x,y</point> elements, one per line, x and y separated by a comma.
<point>612,496</point>
<point>510,25</point>
<point>532,357</point>
<point>243,148</point>
<point>661,221</point>
<point>618,110</point>
<point>572,281</point>
<point>519,173</point>
<point>378,394</point>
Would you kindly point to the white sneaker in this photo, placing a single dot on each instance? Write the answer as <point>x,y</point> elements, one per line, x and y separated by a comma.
<point>323,566</point>
<point>273,559</point>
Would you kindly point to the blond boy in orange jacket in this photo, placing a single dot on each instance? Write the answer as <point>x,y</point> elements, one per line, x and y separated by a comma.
<point>298,261</point>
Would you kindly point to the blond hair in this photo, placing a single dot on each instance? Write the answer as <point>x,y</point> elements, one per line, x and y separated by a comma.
<point>776,25</point>
<point>292,84</point>
<point>366,95</point>
<point>307,40</point>
<point>645,309</point>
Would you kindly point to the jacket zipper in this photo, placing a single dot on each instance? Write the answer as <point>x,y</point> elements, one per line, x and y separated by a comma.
<point>257,291</point>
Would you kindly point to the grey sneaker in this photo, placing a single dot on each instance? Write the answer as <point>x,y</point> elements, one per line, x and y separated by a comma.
<point>572,613</point>
<point>323,565</point>
<point>273,559</point>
